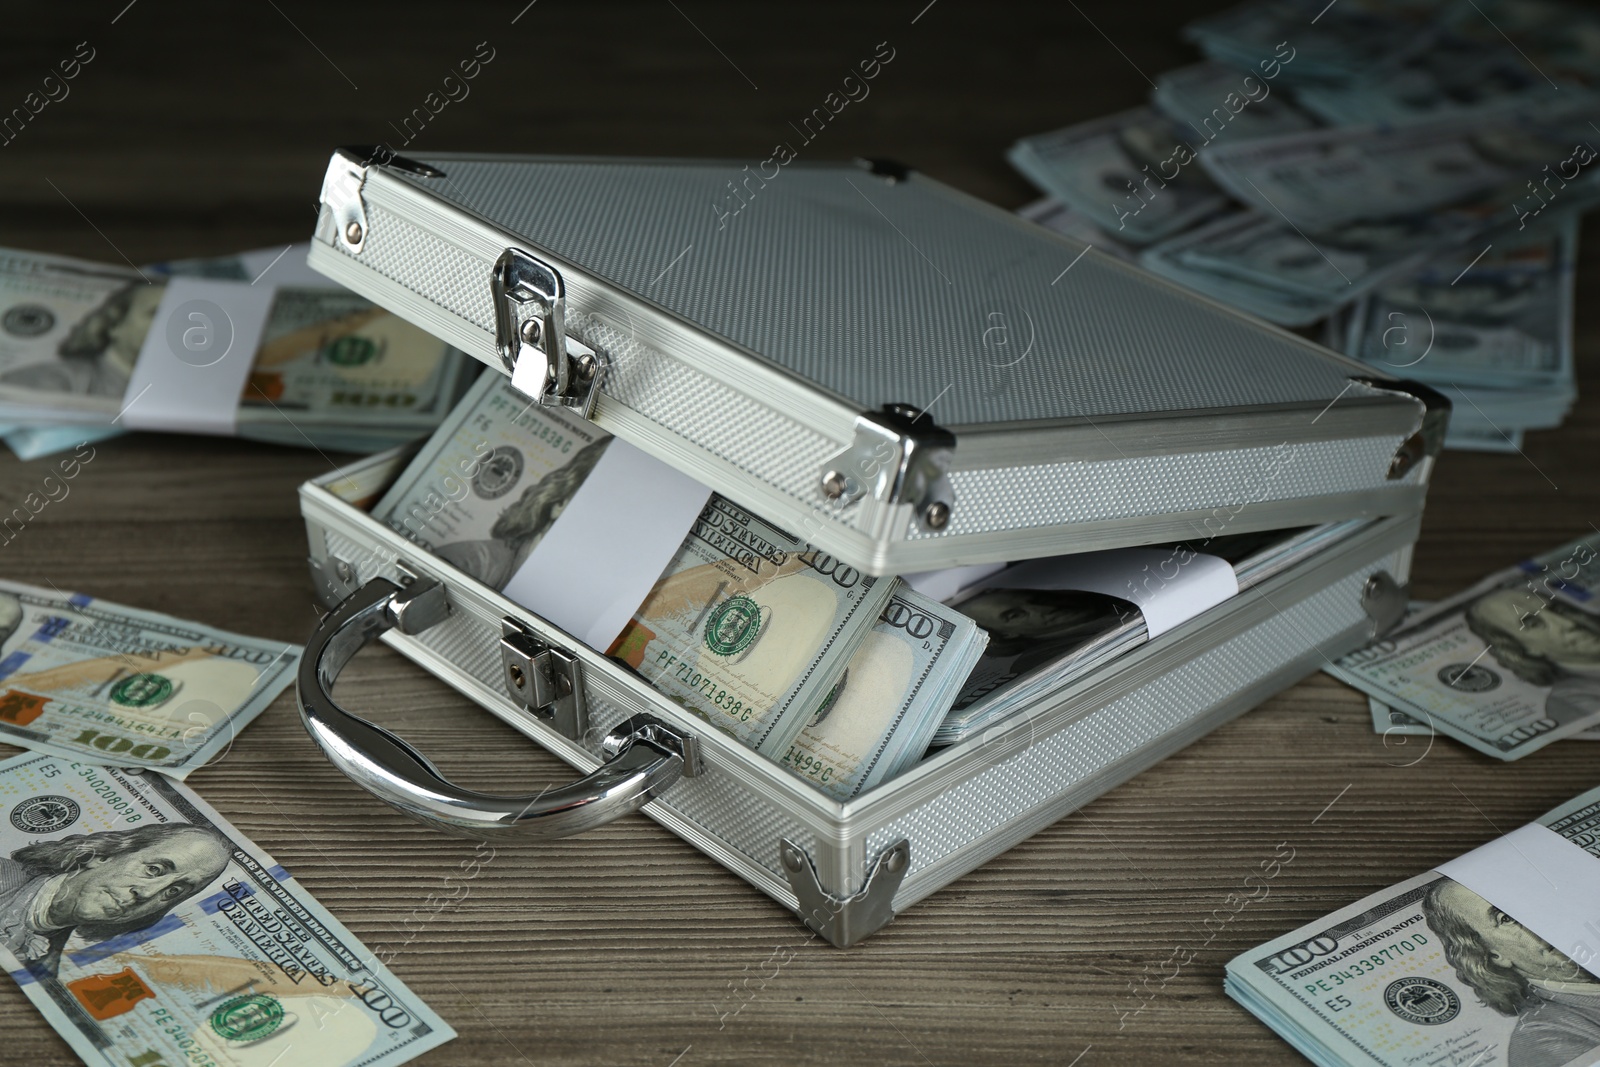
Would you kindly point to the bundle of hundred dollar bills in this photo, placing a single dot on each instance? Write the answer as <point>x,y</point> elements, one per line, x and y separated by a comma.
<point>838,676</point>
<point>1395,172</point>
<point>1507,666</point>
<point>1490,960</point>
<point>88,350</point>
<point>844,679</point>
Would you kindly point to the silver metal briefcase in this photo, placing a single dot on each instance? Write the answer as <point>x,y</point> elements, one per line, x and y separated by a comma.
<point>908,378</point>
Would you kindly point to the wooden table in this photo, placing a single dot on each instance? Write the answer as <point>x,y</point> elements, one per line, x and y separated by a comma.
<point>185,136</point>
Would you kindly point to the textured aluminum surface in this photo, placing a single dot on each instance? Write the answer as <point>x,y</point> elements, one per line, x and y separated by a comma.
<point>1075,491</point>
<point>960,808</point>
<point>886,290</point>
<point>1066,769</point>
<point>763,437</point>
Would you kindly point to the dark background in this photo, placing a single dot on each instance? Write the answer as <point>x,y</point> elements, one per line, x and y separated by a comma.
<point>202,130</point>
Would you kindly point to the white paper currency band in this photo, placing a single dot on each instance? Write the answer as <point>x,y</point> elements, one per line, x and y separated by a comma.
<point>1545,882</point>
<point>613,539</point>
<point>197,356</point>
<point>1169,589</point>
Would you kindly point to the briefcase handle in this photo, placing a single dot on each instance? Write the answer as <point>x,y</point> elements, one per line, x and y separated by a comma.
<point>645,755</point>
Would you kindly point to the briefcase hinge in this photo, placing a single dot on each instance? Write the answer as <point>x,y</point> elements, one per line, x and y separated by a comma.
<point>547,680</point>
<point>530,334</point>
<point>341,192</point>
<point>343,183</point>
<point>843,922</point>
<point>899,456</point>
<point>1428,438</point>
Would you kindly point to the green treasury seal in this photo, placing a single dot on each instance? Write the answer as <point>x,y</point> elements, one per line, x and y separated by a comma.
<point>141,690</point>
<point>733,626</point>
<point>248,1018</point>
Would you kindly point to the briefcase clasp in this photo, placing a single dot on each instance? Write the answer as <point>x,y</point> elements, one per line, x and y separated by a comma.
<point>530,335</point>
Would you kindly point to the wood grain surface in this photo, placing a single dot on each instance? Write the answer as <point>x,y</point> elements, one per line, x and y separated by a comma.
<point>206,130</point>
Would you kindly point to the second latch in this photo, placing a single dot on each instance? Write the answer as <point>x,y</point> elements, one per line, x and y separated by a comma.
<point>548,681</point>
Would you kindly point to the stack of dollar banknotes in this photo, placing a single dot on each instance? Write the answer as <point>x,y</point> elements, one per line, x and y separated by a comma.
<point>327,369</point>
<point>1489,960</point>
<point>1393,176</point>
<point>845,679</point>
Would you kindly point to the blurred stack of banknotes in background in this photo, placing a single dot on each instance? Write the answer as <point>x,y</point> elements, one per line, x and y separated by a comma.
<point>330,369</point>
<point>1398,181</point>
<point>1506,666</point>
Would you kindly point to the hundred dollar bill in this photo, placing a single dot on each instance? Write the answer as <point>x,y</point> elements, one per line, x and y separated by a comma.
<point>1507,666</point>
<point>331,368</point>
<point>492,480</point>
<point>1456,75</point>
<point>330,356</point>
<point>1325,178</point>
<point>883,712</point>
<point>1292,276</point>
<point>1263,266</point>
<point>148,931</point>
<point>1490,325</point>
<point>1130,173</point>
<point>96,681</point>
<point>1210,98</point>
<point>1428,972</point>
<point>1352,41</point>
<point>1392,721</point>
<point>70,332</point>
<point>749,626</point>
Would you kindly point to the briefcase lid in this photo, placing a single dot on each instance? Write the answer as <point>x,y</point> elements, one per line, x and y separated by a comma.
<point>904,375</point>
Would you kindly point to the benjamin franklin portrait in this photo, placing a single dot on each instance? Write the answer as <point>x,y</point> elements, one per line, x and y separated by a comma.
<point>521,527</point>
<point>100,885</point>
<point>1557,646</point>
<point>1516,972</point>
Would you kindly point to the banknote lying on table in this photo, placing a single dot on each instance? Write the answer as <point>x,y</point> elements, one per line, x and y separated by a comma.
<point>1490,960</point>
<point>1507,666</point>
<point>88,679</point>
<point>148,931</point>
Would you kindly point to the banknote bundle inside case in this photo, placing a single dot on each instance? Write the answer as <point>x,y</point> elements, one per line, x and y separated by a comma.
<point>844,679</point>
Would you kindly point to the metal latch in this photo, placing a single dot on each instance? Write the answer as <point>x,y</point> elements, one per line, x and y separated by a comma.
<point>530,333</point>
<point>341,187</point>
<point>844,922</point>
<point>332,579</point>
<point>547,680</point>
<point>899,456</point>
<point>1384,601</point>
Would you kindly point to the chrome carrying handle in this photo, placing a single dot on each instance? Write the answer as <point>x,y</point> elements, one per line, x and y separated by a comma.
<point>645,755</point>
